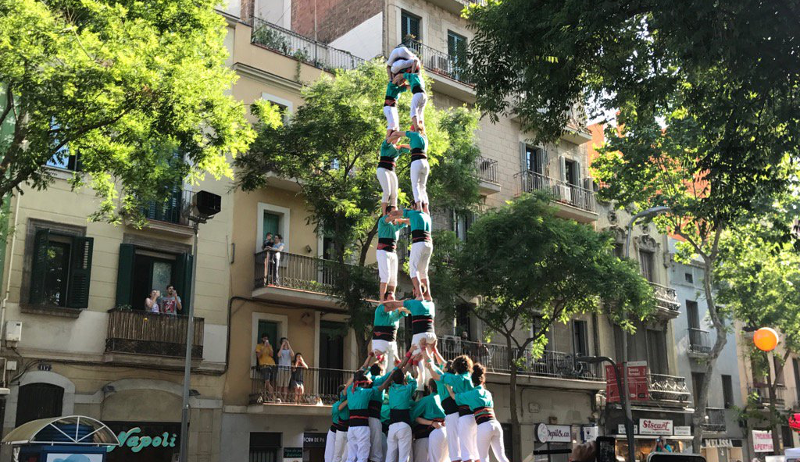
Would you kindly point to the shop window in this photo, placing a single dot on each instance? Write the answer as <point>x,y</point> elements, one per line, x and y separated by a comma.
<point>61,269</point>
<point>39,401</point>
<point>142,269</point>
<point>264,446</point>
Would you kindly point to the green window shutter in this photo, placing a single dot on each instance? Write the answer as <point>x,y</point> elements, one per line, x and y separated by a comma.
<point>125,274</point>
<point>80,272</point>
<point>183,280</point>
<point>41,245</point>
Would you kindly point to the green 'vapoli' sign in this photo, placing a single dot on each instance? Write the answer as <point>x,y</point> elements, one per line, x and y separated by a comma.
<point>136,442</point>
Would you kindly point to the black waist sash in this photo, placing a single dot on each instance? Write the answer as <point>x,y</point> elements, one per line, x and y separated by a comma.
<point>420,235</point>
<point>483,414</point>
<point>400,415</point>
<point>417,89</point>
<point>422,324</point>
<point>420,431</point>
<point>375,409</point>
<point>464,410</point>
<point>333,428</point>
<point>386,162</point>
<point>359,417</point>
<point>388,333</point>
<point>449,405</point>
<point>342,425</point>
<point>387,244</point>
<point>418,154</point>
<point>389,101</point>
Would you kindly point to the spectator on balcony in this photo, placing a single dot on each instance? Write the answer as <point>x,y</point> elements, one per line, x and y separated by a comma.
<point>171,303</point>
<point>268,241</point>
<point>265,360</point>
<point>285,355</point>
<point>275,259</point>
<point>151,302</point>
<point>296,382</point>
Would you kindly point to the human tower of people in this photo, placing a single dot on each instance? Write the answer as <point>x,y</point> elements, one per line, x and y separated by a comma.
<point>418,407</point>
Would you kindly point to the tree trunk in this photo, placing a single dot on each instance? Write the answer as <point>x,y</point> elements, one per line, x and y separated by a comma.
<point>516,431</point>
<point>721,339</point>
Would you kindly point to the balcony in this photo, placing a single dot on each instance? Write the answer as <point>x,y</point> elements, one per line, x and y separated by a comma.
<point>553,364</point>
<point>446,70</point>
<point>668,389</point>
<point>272,386</point>
<point>300,279</point>
<point>715,420</point>
<point>762,398</point>
<point>168,217</point>
<point>455,6</point>
<point>573,201</point>
<point>486,171</point>
<point>293,45</point>
<point>133,332</point>
<point>576,130</point>
<point>699,342</point>
<point>667,305</point>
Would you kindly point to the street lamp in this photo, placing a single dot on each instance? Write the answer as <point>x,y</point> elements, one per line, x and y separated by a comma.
<point>623,399</point>
<point>627,404</point>
<point>203,207</point>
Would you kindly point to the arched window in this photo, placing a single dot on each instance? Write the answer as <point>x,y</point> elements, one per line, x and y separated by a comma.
<point>38,401</point>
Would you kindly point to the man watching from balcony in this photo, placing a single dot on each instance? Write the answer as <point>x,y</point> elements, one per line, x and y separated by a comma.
<point>171,303</point>
<point>275,259</point>
<point>266,364</point>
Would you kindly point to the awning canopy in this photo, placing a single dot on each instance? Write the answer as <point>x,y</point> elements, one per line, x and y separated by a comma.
<point>74,429</point>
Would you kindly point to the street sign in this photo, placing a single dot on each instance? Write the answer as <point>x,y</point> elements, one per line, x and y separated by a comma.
<point>637,382</point>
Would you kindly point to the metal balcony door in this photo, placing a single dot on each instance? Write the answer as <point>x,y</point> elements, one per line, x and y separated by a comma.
<point>331,356</point>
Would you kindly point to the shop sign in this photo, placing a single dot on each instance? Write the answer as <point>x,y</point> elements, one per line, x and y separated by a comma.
<point>314,440</point>
<point>637,382</point>
<point>719,443</point>
<point>589,433</point>
<point>621,429</point>
<point>655,427</point>
<point>762,441</point>
<point>134,440</point>
<point>683,430</point>
<point>553,433</point>
<point>292,454</point>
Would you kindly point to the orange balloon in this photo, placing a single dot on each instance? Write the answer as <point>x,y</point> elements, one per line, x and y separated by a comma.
<point>766,339</point>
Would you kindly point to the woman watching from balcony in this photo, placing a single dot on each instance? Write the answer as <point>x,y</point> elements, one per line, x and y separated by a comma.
<point>151,302</point>
<point>296,381</point>
<point>285,354</point>
<point>266,365</point>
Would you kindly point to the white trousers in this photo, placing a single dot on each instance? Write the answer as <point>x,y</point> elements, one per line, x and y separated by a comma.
<point>389,185</point>
<point>420,259</point>
<point>421,450</point>
<point>402,64</point>
<point>330,444</point>
<point>418,102</point>
<point>437,445</point>
<point>466,434</point>
<point>392,118</point>
<point>358,444</point>
<point>420,169</point>
<point>387,266</point>
<point>398,443</point>
<point>453,442</point>
<point>491,434</point>
<point>400,52</point>
<point>340,447</point>
<point>377,453</point>
<point>389,348</point>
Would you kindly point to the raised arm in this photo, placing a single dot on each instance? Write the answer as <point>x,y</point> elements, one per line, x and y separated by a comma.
<point>343,405</point>
<point>439,358</point>
<point>369,361</point>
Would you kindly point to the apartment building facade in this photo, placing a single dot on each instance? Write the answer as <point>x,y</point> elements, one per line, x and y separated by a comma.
<point>84,342</point>
<point>724,437</point>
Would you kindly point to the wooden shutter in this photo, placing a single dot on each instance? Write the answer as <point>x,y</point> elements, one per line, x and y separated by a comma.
<point>41,244</point>
<point>545,161</point>
<point>562,162</point>
<point>183,280</point>
<point>540,161</point>
<point>523,157</point>
<point>577,173</point>
<point>80,272</point>
<point>125,274</point>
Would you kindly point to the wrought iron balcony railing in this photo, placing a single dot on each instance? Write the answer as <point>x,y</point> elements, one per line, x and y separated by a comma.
<point>666,297</point>
<point>303,49</point>
<point>486,170</point>
<point>715,420</point>
<point>301,272</point>
<point>496,358</point>
<point>140,332</point>
<point>763,399</point>
<point>288,385</point>
<point>570,194</point>
<point>439,62</point>
<point>170,211</point>
<point>662,387</point>
<point>699,341</point>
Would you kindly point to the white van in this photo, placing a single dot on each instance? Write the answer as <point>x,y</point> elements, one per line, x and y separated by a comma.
<point>792,454</point>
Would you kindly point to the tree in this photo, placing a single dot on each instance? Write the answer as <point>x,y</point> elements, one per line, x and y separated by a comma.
<point>330,146</point>
<point>732,66</point>
<point>122,85</point>
<point>759,273</point>
<point>532,269</point>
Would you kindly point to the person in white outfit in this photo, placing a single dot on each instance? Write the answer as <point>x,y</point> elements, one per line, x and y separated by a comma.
<point>400,59</point>
<point>479,400</point>
<point>359,395</point>
<point>340,415</point>
<point>386,252</point>
<point>420,168</point>
<point>401,391</point>
<point>430,417</point>
<point>421,249</point>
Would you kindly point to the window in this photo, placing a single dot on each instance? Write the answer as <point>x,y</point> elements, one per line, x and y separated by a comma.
<point>457,52</point>
<point>271,224</point>
<point>693,314</point>
<point>463,320</point>
<point>646,264</point>
<point>697,379</point>
<point>264,446</point>
<point>580,337</point>
<point>727,391</point>
<point>272,219</point>
<point>571,172</point>
<point>657,351</point>
<point>463,221</point>
<point>169,210</point>
<point>39,401</point>
<point>787,436</point>
<point>619,251</point>
<point>143,269</point>
<point>533,159</point>
<point>62,158</point>
<point>689,277</point>
<point>410,27</point>
<point>61,269</point>
<point>796,367</point>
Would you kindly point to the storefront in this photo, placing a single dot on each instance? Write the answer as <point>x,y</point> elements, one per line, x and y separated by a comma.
<point>553,443</point>
<point>145,441</point>
<point>722,450</point>
<point>674,427</point>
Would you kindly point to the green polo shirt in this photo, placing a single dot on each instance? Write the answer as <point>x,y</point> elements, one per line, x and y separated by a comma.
<point>377,394</point>
<point>358,399</point>
<point>459,382</point>
<point>382,318</point>
<point>429,407</point>
<point>400,395</point>
<point>417,140</point>
<point>419,221</point>
<point>414,80</point>
<point>393,91</point>
<point>389,230</point>
<point>390,150</point>
<point>420,307</point>
<point>475,398</point>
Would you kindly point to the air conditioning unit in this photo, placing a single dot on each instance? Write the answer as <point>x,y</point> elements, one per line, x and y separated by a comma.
<point>564,193</point>
<point>13,331</point>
